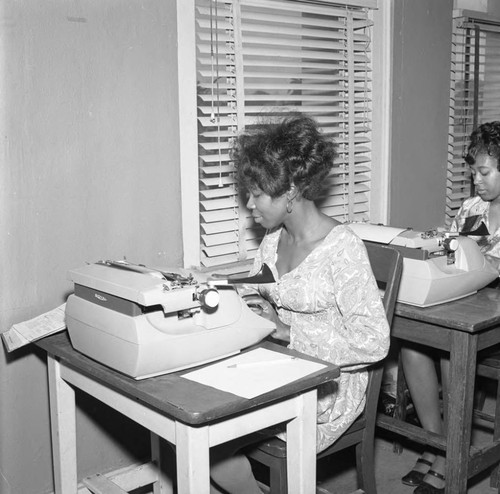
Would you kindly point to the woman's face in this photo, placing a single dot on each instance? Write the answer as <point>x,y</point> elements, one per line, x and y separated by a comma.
<point>486,177</point>
<point>267,211</point>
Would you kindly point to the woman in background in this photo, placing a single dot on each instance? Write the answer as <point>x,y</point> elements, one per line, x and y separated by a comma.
<point>325,301</point>
<point>483,158</point>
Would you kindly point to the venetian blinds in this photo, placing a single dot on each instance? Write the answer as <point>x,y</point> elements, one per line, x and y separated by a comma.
<point>258,60</point>
<point>475,97</point>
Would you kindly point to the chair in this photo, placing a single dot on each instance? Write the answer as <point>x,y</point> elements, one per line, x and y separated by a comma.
<point>387,265</point>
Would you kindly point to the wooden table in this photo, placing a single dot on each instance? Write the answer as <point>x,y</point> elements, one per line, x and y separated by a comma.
<point>462,327</point>
<point>187,414</point>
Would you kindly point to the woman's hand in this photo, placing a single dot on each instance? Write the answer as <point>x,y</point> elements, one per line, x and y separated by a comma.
<point>266,310</point>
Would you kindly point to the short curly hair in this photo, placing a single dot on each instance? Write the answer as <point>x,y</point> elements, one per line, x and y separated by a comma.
<point>484,140</point>
<point>275,156</point>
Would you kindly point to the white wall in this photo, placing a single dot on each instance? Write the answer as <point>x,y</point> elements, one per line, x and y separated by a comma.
<point>88,170</point>
<point>479,5</point>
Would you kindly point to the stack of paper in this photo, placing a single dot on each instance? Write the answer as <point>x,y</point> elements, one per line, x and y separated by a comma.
<point>254,373</point>
<point>27,331</point>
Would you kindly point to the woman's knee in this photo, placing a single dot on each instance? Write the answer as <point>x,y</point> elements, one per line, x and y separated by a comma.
<point>416,359</point>
<point>232,473</point>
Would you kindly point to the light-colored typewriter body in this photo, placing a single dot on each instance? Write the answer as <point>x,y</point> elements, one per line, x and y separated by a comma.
<point>433,271</point>
<point>143,325</point>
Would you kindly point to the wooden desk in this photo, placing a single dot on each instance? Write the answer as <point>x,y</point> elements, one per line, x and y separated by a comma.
<point>187,414</point>
<point>462,327</point>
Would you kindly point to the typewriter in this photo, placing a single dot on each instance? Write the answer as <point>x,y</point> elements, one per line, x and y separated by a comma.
<point>145,322</point>
<point>437,266</point>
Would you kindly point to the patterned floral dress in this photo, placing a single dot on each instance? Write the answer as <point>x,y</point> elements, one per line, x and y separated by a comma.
<point>471,214</point>
<point>332,304</point>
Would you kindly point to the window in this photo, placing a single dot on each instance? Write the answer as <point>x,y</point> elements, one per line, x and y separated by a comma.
<point>259,59</point>
<point>475,95</point>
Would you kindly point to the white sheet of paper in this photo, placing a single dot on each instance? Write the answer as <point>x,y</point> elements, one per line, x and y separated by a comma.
<point>375,233</point>
<point>254,373</point>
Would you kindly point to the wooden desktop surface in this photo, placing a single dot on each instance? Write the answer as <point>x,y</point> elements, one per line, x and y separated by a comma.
<point>182,399</point>
<point>471,314</point>
<point>463,328</point>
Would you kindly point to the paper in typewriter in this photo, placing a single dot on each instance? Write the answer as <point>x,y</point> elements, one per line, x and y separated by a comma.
<point>254,373</point>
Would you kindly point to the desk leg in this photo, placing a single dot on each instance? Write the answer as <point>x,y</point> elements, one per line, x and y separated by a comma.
<point>460,403</point>
<point>63,430</point>
<point>301,446</point>
<point>193,459</point>
<point>164,484</point>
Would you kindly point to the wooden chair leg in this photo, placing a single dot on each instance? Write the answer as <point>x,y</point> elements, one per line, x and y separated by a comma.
<point>365,467</point>
<point>278,480</point>
<point>479,398</point>
<point>401,402</point>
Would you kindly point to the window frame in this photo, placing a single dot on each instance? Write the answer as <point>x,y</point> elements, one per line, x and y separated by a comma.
<point>470,28</point>
<point>381,111</point>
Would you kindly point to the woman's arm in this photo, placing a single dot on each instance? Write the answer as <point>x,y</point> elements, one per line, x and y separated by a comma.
<point>265,309</point>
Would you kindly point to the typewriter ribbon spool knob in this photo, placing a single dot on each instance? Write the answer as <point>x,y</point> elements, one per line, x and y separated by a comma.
<point>209,298</point>
<point>451,245</point>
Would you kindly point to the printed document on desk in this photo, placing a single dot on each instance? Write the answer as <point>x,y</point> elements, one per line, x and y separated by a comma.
<point>254,373</point>
<point>25,332</point>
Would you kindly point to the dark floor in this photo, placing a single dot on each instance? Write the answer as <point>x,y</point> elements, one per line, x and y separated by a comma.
<point>337,474</point>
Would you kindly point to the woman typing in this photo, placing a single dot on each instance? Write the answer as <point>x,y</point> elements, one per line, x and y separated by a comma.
<point>325,300</point>
<point>481,212</point>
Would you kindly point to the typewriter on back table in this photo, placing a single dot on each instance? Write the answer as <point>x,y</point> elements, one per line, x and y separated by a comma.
<point>145,322</point>
<point>437,266</point>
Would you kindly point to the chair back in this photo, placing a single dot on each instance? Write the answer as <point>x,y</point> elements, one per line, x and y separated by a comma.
<point>387,266</point>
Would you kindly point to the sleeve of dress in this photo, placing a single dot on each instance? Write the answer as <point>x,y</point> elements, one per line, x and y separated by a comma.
<point>492,253</point>
<point>458,220</point>
<point>365,332</point>
<point>493,260</point>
